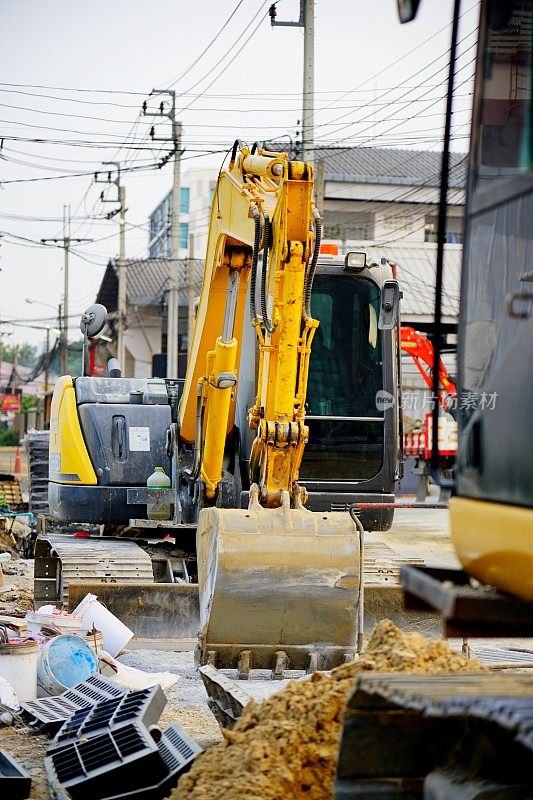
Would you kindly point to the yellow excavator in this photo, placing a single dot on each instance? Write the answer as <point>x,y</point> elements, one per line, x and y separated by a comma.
<point>279,583</point>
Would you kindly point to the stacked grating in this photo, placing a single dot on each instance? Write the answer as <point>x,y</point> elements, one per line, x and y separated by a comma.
<point>52,712</point>
<point>178,750</point>
<point>10,494</point>
<point>37,444</point>
<point>115,750</point>
<point>143,705</point>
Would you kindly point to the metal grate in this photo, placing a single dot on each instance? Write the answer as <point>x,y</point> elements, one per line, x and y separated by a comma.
<point>53,712</point>
<point>143,705</point>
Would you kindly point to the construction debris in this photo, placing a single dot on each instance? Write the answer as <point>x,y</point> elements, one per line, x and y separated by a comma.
<point>50,713</point>
<point>287,746</point>
<point>134,678</point>
<point>16,601</point>
<point>114,748</point>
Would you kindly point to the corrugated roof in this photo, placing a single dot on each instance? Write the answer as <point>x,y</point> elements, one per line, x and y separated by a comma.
<point>147,281</point>
<point>148,278</point>
<point>416,274</point>
<point>390,166</point>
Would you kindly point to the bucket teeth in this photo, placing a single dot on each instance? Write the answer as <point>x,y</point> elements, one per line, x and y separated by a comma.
<point>282,663</point>
<point>313,663</point>
<point>245,664</point>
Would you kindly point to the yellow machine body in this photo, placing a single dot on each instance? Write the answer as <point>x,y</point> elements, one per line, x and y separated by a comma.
<point>69,459</point>
<point>494,543</point>
<point>279,585</point>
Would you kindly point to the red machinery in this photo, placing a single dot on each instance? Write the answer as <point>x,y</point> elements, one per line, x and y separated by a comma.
<point>421,351</point>
<point>417,443</point>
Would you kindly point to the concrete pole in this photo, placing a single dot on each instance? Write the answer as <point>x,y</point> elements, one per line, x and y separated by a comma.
<point>15,381</point>
<point>308,117</point>
<point>64,326</point>
<point>320,183</point>
<point>173,290</point>
<point>47,356</point>
<point>122,281</point>
<point>190,294</point>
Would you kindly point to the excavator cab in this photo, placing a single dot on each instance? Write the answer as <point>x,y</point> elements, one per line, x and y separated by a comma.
<point>353,451</point>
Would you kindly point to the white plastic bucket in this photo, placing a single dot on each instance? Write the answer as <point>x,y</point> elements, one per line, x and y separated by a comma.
<point>63,662</point>
<point>95,615</point>
<point>18,665</point>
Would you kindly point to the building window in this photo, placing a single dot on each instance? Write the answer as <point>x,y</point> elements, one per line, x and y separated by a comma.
<point>454,229</point>
<point>184,235</point>
<point>184,205</point>
<point>349,225</point>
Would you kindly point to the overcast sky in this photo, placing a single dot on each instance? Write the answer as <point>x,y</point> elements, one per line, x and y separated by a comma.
<point>377,84</point>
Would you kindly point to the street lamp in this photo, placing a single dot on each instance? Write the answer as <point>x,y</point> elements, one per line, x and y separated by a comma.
<point>31,301</point>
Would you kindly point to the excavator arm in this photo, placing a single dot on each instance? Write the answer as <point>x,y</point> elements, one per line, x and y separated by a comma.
<point>279,585</point>
<point>263,203</point>
<point>421,351</point>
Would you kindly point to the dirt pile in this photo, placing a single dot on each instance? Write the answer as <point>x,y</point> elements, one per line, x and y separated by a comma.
<point>287,745</point>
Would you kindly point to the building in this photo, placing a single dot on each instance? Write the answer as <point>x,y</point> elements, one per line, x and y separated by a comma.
<point>381,195</point>
<point>380,200</point>
<point>416,262</point>
<point>146,313</point>
<point>197,187</point>
<point>387,196</point>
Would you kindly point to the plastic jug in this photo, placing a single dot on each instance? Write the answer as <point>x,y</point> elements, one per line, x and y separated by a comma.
<point>158,480</point>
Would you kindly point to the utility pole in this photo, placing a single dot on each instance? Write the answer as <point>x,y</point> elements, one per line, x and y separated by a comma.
<point>169,111</point>
<point>47,359</point>
<point>15,366</point>
<point>190,294</point>
<point>65,243</point>
<point>307,22</point>
<point>320,186</point>
<point>122,266</point>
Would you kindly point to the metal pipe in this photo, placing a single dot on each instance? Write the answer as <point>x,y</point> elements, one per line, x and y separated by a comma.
<point>232,293</point>
<point>263,166</point>
<point>399,505</point>
<point>435,466</point>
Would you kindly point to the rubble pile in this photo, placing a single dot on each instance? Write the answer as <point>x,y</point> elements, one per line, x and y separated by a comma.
<point>287,746</point>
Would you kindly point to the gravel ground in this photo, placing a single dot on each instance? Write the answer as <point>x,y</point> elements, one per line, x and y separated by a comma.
<point>414,534</point>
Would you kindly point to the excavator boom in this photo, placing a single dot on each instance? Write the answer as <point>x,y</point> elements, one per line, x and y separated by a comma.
<point>278,584</point>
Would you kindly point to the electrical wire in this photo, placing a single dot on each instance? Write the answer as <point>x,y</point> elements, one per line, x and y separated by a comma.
<point>206,49</point>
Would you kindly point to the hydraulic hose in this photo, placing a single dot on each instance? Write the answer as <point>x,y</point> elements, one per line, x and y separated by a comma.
<point>267,243</point>
<point>255,257</point>
<point>310,274</point>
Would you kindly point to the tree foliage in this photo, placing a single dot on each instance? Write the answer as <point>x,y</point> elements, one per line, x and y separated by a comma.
<point>28,354</point>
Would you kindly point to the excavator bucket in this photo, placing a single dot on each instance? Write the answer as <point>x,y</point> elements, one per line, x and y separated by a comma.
<point>279,588</point>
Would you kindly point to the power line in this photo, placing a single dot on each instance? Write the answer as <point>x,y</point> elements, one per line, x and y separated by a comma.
<point>135,168</point>
<point>227,53</point>
<point>204,51</point>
